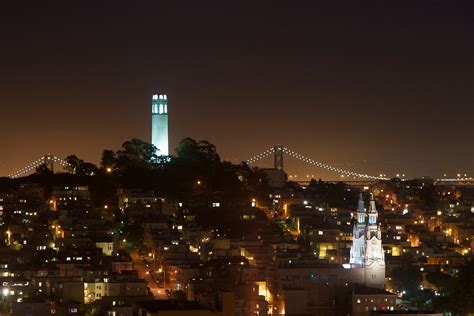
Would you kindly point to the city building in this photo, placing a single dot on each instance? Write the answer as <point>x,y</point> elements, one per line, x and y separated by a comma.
<point>367,251</point>
<point>312,286</point>
<point>168,307</point>
<point>366,301</point>
<point>159,124</point>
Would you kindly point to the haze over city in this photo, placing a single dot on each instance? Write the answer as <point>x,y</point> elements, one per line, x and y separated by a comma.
<point>375,88</point>
<point>236,158</point>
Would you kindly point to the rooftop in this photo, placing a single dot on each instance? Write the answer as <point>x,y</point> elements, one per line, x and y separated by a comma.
<point>169,305</point>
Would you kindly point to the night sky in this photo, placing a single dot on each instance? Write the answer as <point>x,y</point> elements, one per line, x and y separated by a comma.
<point>372,86</point>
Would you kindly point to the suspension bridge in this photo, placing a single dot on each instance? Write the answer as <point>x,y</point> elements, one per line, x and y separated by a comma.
<point>51,162</point>
<point>346,175</point>
<point>276,152</point>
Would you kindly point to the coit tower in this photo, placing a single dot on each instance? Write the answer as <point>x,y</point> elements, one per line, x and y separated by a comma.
<point>159,123</point>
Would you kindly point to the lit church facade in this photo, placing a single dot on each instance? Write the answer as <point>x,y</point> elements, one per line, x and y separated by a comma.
<point>309,288</point>
<point>367,251</point>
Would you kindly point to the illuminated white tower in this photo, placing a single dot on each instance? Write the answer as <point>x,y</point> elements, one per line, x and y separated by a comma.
<point>374,256</point>
<point>159,124</point>
<point>358,237</point>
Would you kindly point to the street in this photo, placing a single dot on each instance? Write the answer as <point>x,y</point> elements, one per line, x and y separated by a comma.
<point>142,270</point>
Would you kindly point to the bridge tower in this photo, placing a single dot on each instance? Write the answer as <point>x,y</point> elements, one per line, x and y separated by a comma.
<point>49,162</point>
<point>278,157</point>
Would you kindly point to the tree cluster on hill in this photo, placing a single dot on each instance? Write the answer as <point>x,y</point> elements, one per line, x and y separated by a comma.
<point>195,175</point>
<point>457,294</point>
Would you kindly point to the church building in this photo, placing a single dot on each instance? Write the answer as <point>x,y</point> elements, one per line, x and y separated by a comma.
<point>366,251</point>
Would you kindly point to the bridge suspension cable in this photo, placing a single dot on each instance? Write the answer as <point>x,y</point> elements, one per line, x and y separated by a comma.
<point>261,156</point>
<point>330,168</point>
<point>313,162</point>
<point>47,160</point>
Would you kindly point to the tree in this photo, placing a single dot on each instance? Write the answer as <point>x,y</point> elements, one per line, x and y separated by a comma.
<point>136,149</point>
<point>422,299</point>
<point>108,159</point>
<point>252,178</point>
<point>189,149</point>
<point>459,292</point>
<point>208,151</point>
<point>88,169</point>
<point>135,153</point>
<point>80,166</point>
<point>438,279</point>
<point>134,234</point>
<point>73,163</point>
<point>406,279</point>
<point>43,170</point>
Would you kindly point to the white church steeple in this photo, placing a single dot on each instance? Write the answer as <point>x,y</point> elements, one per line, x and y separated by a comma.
<point>374,262</point>
<point>373,214</point>
<point>366,250</point>
<point>358,236</point>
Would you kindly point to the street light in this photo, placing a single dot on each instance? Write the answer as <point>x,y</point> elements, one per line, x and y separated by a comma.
<point>9,234</point>
<point>160,270</point>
